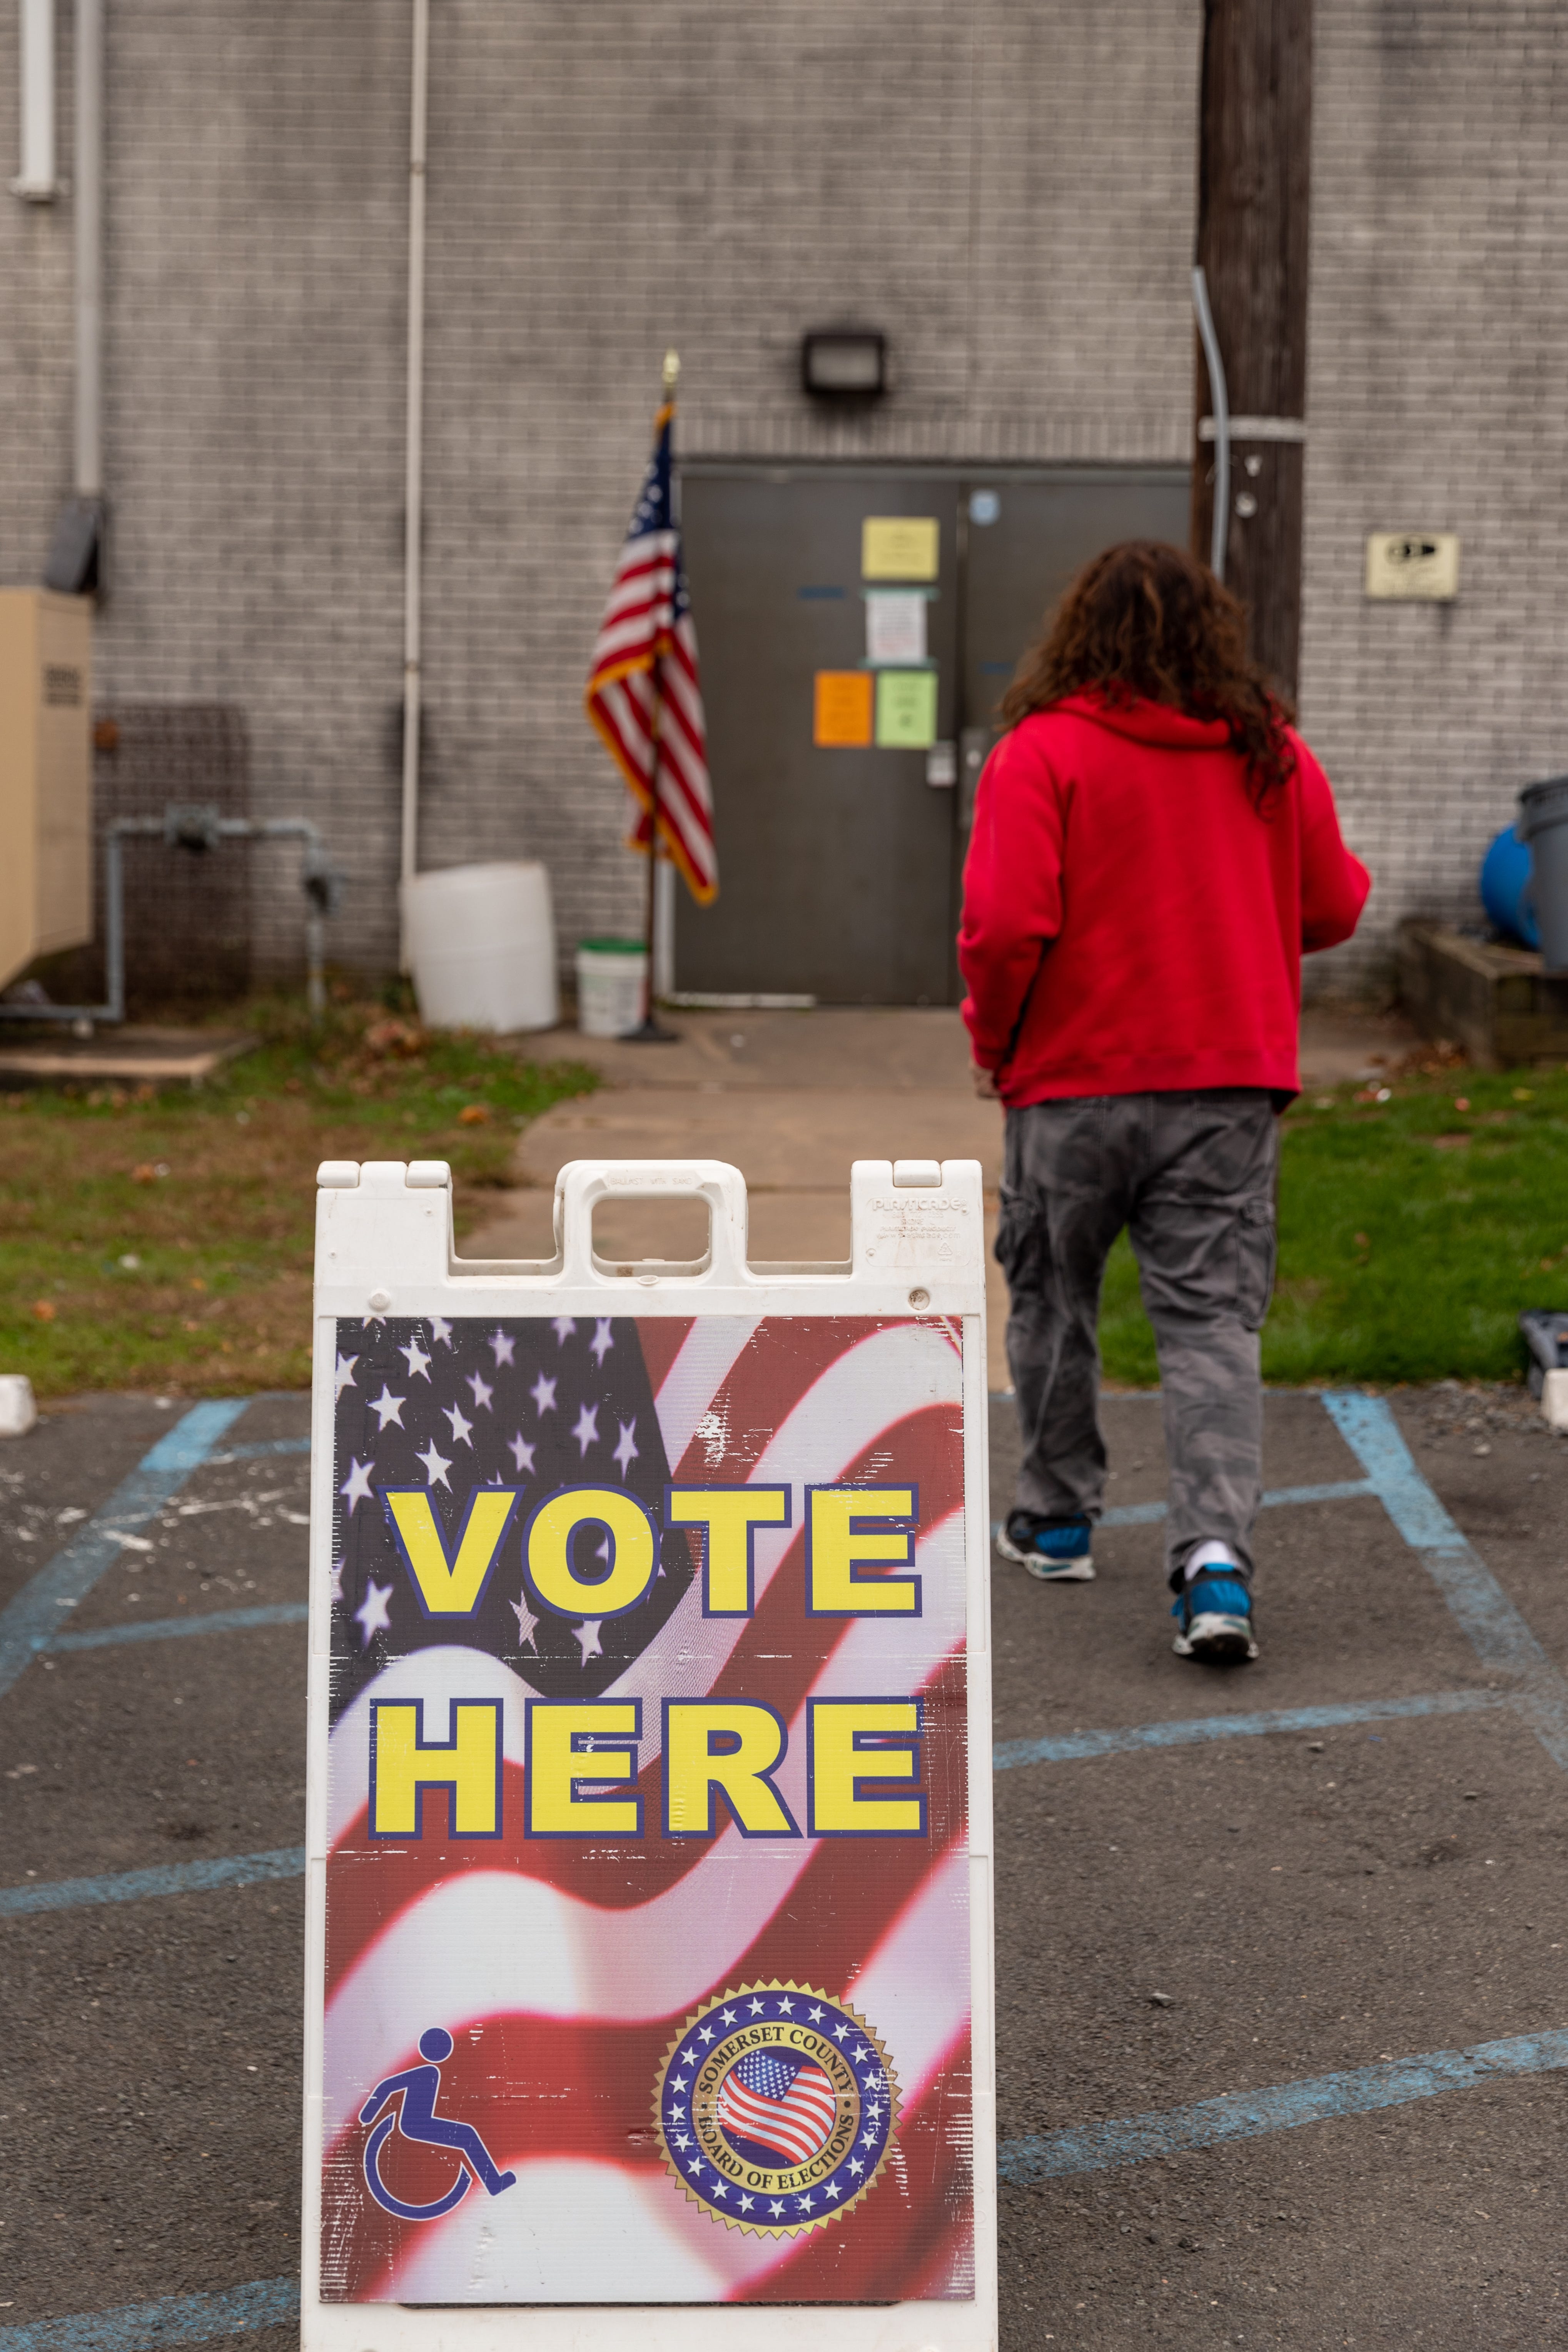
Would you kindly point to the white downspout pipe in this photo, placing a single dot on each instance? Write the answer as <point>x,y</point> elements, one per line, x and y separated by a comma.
<point>36,181</point>
<point>414,447</point>
<point>88,195</point>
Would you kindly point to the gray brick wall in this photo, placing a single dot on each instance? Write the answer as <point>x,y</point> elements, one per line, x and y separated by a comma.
<point>1438,350</point>
<point>35,281</point>
<point>722,177</point>
<point>1007,190</point>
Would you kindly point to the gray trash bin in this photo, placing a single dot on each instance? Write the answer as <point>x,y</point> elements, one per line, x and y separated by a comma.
<point>1543,822</point>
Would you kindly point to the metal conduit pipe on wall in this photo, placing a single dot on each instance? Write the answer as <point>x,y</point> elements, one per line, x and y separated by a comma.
<point>36,180</point>
<point>75,563</point>
<point>1219,396</point>
<point>88,193</point>
<point>196,829</point>
<point>413,460</point>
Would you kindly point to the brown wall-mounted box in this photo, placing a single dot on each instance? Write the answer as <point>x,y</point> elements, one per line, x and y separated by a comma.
<point>45,776</point>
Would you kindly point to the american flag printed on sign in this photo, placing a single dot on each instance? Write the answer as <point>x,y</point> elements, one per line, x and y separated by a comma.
<point>779,2105</point>
<point>643,694</point>
<point>563,1968</point>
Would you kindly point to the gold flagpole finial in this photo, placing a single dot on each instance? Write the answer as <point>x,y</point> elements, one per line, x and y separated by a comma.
<point>672,372</point>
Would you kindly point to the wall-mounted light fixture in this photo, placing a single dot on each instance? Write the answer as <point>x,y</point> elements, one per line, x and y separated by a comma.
<point>844,363</point>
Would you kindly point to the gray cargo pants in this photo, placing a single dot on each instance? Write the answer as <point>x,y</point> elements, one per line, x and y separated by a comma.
<point>1192,1178</point>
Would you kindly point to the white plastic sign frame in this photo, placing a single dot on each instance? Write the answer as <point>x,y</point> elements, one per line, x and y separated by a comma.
<point>384,1256</point>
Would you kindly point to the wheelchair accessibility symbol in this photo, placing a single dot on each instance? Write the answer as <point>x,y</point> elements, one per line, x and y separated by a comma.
<point>415,2118</point>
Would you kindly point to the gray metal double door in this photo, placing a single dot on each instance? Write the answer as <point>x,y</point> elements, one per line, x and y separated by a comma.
<point>839,866</point>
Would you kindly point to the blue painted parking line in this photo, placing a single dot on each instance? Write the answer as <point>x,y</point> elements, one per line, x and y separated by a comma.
<point>1490,1622</point>
<point>167,1629</point>
<point>170,1878</point>
<point>255,1453</point>
<point>30,1621</point>
<point>1285,2107</point>
<point>1338,1490</point>
<point>1147,1515</point>
<point>1044,2156</point>
<point>1071,1747</point>
<point>174,2319</point>
<point>288,1861</point>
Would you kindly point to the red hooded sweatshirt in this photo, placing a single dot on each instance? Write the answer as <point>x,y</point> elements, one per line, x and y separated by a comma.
<point>1132,924</point>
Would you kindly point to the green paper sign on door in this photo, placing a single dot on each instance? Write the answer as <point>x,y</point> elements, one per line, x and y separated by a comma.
<point>906,710</point>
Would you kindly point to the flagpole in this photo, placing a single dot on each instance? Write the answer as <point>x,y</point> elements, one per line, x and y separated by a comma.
<point>650,1030</point>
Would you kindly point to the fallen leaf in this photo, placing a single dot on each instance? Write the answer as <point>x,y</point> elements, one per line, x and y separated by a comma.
<point>45,1309</point>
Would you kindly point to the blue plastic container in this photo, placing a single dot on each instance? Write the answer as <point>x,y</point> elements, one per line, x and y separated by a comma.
<point>1508,888</point>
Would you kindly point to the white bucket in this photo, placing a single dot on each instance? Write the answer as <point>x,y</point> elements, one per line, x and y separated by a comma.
<point>17,1411</point>
<point>481,947</point>
<point>610,976</point>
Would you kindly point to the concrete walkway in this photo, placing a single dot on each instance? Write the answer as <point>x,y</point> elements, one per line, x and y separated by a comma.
<point>791,1100</point>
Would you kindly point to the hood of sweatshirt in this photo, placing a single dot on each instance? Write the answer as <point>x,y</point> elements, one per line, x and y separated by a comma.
<point>1145,722</point>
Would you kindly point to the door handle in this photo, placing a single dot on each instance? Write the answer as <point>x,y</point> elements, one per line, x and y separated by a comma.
<point>973,746</point>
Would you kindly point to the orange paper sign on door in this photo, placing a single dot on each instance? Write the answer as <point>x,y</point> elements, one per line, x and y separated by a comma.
<point>841,718</point>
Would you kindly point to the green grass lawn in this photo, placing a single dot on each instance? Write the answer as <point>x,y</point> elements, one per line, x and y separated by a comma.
<point>164,1241</point>
<point>1411,1233</point>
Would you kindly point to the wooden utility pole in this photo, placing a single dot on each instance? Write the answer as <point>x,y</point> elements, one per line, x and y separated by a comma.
<point>1254,187</point>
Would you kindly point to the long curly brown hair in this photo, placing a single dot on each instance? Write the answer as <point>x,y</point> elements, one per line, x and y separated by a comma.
<point>1146,620</point>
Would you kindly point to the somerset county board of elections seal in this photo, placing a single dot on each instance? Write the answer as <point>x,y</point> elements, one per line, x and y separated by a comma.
<point>775,2106</point>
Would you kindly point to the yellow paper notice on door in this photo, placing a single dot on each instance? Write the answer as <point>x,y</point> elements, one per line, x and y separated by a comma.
<point>899,547</point>
<point>841,710</point>
<point>906,710</point>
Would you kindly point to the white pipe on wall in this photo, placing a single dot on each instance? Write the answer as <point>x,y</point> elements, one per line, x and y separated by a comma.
<point>412,486</point>
<point>88,195</point>
<point>37,181</point>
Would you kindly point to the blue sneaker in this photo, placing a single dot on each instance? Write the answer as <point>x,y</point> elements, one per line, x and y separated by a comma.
<point>1055,1550</point>
<point>1214,1611</point>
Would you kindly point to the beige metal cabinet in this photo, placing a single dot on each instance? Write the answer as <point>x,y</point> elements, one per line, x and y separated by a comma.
<point>45,776</point>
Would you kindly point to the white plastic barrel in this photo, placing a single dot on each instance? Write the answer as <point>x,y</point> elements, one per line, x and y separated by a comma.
<point>610,976</point>
<point>481,947</point>
<point>17,1410</point>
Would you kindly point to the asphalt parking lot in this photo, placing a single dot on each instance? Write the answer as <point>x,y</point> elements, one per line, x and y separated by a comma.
<point>1280,1950</point>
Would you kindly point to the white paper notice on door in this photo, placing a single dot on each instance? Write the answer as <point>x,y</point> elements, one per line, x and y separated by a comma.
<point>895,626</point>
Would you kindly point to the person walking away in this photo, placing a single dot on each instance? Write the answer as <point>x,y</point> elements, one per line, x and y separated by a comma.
<point>1153,849</point>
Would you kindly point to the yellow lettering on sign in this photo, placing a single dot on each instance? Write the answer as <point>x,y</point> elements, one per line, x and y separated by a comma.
<point>570,1741</point>
<point>837,1544</point>
<point>694,1767</point>
<point>731,1516</point>
<point>404,1764</point>
<point>856,1742</point>
<point>633,1551</point>
<point>450,1587</point>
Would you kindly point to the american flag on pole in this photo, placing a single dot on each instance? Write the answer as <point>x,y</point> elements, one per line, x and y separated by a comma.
<point>573,1988</point>
<point>642,693</point>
